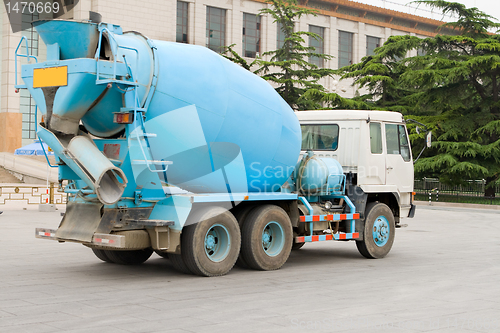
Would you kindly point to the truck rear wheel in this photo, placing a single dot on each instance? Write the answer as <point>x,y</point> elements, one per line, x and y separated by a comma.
<point>133,257</point>
<point>241,215</point>
<point>101,254</point>
<point>211,246</point>
<point>379,231</point>
<point>178,263</point>
<point>162,254</point>
<point>266,238</point>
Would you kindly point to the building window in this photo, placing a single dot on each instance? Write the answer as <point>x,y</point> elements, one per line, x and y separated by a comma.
<point>319,45</point>
<point>280,36</point>
<point>216,29</point>
<point>251,35</point>
<point>27,107</point>
<point>345,48</point>
<point>182,22</point>
<point>371,44</point>
<point>27,104</point>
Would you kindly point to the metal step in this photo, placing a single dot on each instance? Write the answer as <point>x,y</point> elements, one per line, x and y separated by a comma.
<point>144,135</point>
<point>321,238</point>
<point>132,109</point>
<point>329,217</point>
<point>151,162</point>
<point>126,83</point>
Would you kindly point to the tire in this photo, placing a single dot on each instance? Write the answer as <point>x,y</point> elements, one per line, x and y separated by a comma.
<point>101,254</point>
<point>133,257</point>
<point>267,238</point>
<point>379,231</point>
<point>211,246</point>
<point>178,263</point>
<point>240,216</point>
<point>162,254</point>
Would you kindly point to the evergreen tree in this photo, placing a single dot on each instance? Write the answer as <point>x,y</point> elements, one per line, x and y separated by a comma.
<point>288,67</point>
<point>455,86</point>
<point>460,77</point>
<point>229,53</point>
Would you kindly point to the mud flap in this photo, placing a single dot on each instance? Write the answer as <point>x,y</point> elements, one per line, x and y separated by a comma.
<point>411,213</point>
<point>80,222</point>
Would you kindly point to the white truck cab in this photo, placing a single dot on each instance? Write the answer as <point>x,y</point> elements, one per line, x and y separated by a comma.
<point>373,149</point>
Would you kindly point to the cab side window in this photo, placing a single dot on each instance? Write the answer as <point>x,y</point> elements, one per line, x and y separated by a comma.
<point>320,137</point>
<point>376,138</point>
<point>404,145</point>
<point>397,141</point>
<point>391,138</point>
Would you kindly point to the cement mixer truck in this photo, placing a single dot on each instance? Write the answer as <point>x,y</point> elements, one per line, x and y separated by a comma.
<point>170,148</point>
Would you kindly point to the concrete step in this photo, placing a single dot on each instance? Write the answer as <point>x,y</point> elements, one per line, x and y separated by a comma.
<point>7,177</point>
<point>28,169</point>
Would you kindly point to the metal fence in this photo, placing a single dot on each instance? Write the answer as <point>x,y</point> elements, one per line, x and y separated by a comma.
<point>32,194</point>
<point>426,189</point>
<point>431,189</point>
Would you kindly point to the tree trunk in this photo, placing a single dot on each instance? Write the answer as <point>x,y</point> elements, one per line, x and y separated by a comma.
<point>489,190</point>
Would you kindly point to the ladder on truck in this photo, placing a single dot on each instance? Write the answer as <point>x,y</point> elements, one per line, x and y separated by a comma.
<point>330,234</point>
<point>139,148</point>
<point>18,86</point>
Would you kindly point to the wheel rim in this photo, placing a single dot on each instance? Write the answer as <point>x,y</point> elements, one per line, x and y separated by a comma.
<point>273,239</point>
<point>381,231</point>
<point>217,243</point>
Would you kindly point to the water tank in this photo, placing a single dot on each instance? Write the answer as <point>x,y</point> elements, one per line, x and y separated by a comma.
<point>319,175</point>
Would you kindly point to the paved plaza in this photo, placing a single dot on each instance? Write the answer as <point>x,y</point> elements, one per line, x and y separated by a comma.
<point>442,275</point>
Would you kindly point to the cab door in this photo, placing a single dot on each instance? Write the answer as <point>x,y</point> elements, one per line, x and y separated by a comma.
<point>399,163</point>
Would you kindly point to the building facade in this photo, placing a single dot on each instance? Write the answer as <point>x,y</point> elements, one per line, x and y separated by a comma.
<point>350,31</point>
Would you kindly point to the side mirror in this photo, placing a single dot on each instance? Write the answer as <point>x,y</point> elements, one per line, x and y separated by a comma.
<point>422,129</point>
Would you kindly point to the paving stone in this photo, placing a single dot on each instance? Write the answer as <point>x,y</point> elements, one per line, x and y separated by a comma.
<point>440,276</point>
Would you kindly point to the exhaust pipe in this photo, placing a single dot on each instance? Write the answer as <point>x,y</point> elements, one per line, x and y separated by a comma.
<point>89,163</point>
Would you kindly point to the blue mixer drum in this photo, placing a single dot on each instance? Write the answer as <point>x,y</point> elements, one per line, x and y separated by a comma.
<point>204,113</point>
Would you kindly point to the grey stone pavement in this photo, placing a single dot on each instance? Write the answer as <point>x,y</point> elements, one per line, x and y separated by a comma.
<point>442,275</point>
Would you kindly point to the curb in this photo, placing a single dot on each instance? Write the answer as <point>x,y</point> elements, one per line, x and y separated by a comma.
<point>454,206</point>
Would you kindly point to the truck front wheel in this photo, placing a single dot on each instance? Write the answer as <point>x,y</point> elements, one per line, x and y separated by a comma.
<point>211,246</point>
<point>379,231</point>
<point>266,238</point>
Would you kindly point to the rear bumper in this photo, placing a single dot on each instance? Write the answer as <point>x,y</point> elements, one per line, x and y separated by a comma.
<point>107,240</point>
